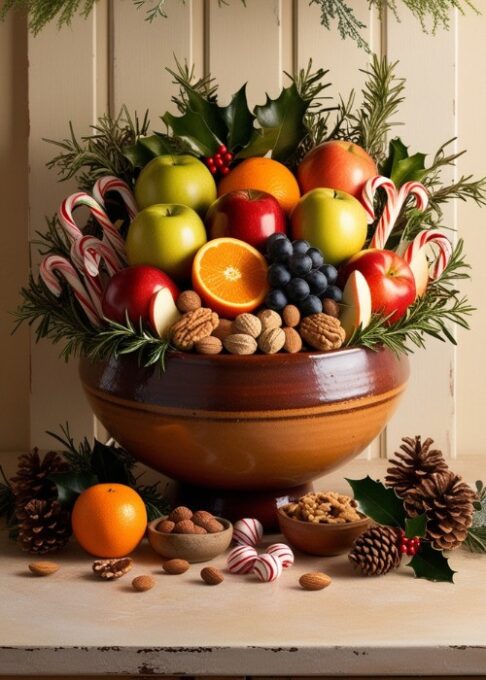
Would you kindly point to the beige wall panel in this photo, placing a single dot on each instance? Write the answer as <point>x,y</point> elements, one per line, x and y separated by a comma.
<point>143,50</point>
<point>471,373</point>
<point>245,44</point>
<point>61,88</point>
<point>14,351</point>
<point>428,63</point>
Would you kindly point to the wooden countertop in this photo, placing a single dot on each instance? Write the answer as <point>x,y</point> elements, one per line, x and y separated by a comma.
<point>73,624</point>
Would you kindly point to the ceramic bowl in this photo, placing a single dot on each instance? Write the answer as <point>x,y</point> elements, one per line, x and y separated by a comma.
<point>321,539</point>
<point>247,423</point>
<point>190,547</point>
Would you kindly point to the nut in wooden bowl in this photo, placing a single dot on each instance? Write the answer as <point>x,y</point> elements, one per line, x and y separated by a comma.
<point>193,547</point>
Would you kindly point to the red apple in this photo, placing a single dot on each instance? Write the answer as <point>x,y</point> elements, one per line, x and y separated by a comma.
<point>336,165</point>
<point>130,291</point>
<point>248,215</point>
<point>390,279</point>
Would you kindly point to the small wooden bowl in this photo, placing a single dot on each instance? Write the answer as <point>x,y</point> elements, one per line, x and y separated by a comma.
<point>190,547</point>
<point>321,539</point>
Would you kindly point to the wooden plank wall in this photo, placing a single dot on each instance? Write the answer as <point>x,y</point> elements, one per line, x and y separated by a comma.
<point>114,57</point>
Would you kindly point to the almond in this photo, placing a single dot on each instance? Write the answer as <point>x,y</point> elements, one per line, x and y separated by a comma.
<point>166,526</point>
<point>185,526</point>
<point>201,516</point>
<point>143,583</point>
<point>239,343</point>
<point>330,307</point>
<point>212,526</point>
<point>315,580</point>
<point>43,568</point>
<point>223,329</point>
<point>212,576</point>
<point>180,513</point>
<point>209,345</point>
<point>187,301</point>
<point>249,324</point>
<point>271,340</point>
<point>269,319</point>
<point>293,341</point>
<point>199,530</point>
<point>175,567</point>
<point>291,316</point>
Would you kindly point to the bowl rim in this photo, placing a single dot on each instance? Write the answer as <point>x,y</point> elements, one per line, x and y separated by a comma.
<point>151,526</point>
<point>325,526</point>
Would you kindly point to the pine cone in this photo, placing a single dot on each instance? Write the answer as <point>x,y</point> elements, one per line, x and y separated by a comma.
<point>376,551</point>
<point>447,502</point>
<point>31,480</point>
<point>415,462</point>
<point>44,526</point>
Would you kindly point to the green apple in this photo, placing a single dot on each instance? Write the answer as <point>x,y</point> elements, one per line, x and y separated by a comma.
<point>176,179</point>
<point>167,237</point>
<point>331,220</point>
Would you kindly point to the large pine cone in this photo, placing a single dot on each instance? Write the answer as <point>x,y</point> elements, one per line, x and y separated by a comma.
<point>447,502</point>
<point>415,462</point>
<point>44,526</point>
<point>376,551</point>
<point>31,480</point>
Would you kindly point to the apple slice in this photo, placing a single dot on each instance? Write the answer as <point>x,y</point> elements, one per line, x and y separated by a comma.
<point>163,312</point>
<point>419,266</point>
<point>356,303</point>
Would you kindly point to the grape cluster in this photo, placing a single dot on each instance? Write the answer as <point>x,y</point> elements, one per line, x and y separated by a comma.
<point>298,275</point>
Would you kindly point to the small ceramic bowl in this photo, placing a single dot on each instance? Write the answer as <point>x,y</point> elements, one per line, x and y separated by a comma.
<point>190,547</point>
<point>321,539</point>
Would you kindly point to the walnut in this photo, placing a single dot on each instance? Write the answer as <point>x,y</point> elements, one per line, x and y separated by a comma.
<point>324,508</point>
<point>240,343</point>
<point>322,332</point>
<point>209,345</point>
<point>249,324</point>
<point>111,569</point>
<point>188,301</point>
<point>269,319</point>
<point>271,340</point>
<point>193,326</point>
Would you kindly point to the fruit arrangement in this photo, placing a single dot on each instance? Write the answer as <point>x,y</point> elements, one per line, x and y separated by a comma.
<point>245,231</point>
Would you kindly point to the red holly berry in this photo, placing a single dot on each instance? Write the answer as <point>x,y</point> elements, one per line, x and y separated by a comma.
<point>222,149</point>
<point>228,157</point>
<point>225,170</point>
<point>219,162</point>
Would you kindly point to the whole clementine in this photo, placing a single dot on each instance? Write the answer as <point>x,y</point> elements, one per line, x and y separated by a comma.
<point>109,520</point>
<point>264,174</point>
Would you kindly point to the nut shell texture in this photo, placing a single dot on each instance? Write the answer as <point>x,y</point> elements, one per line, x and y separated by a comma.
<point>322,332</point>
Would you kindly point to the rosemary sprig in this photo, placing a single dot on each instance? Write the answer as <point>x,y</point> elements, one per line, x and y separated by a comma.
<point>78,456</point>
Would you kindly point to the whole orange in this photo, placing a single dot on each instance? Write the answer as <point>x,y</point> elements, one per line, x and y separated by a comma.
<point>264,174</point>
<point>109,520</point>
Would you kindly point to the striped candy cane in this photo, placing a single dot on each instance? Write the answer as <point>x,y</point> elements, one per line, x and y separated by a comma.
<point>110,183</point>
<point>54,265</point>
<point>368,194</point>
<point>89,251</point>
<point>110,232</point>
<point>432,237</point>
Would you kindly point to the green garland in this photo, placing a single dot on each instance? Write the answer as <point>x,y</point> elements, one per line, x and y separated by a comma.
<point>432,14</point>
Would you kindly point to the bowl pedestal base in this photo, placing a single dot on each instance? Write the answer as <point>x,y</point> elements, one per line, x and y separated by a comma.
<point>235,505</point>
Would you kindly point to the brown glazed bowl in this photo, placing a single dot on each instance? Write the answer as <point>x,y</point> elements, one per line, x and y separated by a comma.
<point>321,539</point>
<point>259,422</point>
<point>190,547</point>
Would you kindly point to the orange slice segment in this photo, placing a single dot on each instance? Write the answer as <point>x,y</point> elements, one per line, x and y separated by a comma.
<point>230,276</point>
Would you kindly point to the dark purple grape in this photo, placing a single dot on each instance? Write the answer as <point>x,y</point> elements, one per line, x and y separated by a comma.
<point>311,305</point>
<point>334,293</point>
<point>297,290</point>
<point>272,238</point>
<point>301,246</point>
<point>276,299</point>
<point>330,272</point>
<point>316,257</point>
<point>299,264</point>
<point>280,250</point>
<point>317,282</point>
<point>278,275</point>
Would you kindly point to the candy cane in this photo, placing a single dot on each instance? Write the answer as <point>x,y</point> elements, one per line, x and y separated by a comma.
<point>436,238</point>
<point>109,183</point>
<point>369,190</point>
<point>74,232</point>
<point>89,251</point>
<point>56,263</point>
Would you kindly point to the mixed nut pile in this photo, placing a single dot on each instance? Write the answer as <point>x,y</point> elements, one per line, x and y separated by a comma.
<point>323,508</point>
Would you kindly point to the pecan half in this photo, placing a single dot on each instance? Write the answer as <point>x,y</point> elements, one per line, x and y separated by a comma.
<point>322,332</point>
<point>111,569</point>
<point>193,326</point>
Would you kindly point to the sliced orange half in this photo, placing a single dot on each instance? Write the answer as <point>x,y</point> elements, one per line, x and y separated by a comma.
<point>230,276</point>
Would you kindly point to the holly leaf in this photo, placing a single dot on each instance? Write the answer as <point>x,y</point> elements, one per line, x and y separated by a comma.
<point>281,126</point>
<point>146,148</point>
<point>400,167</point>
<point>378,502</point>
<point>431,565</point>
<point>416,526</point>
<point>239,120</point>
<point>108,465</point>
<point>195,131</point>
<point>70,484</point>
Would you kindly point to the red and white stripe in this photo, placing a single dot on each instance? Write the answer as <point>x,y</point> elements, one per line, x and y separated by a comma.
<point>89,251</point>
<point>248,531</point>
<point>110,232</point>
<point>54,265</point>
<point>283,553</point>
<point>369,190</point>
<point>110,183</point>
<point>267,568</point>
<point>435,238</point>
<point>241,559</point>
